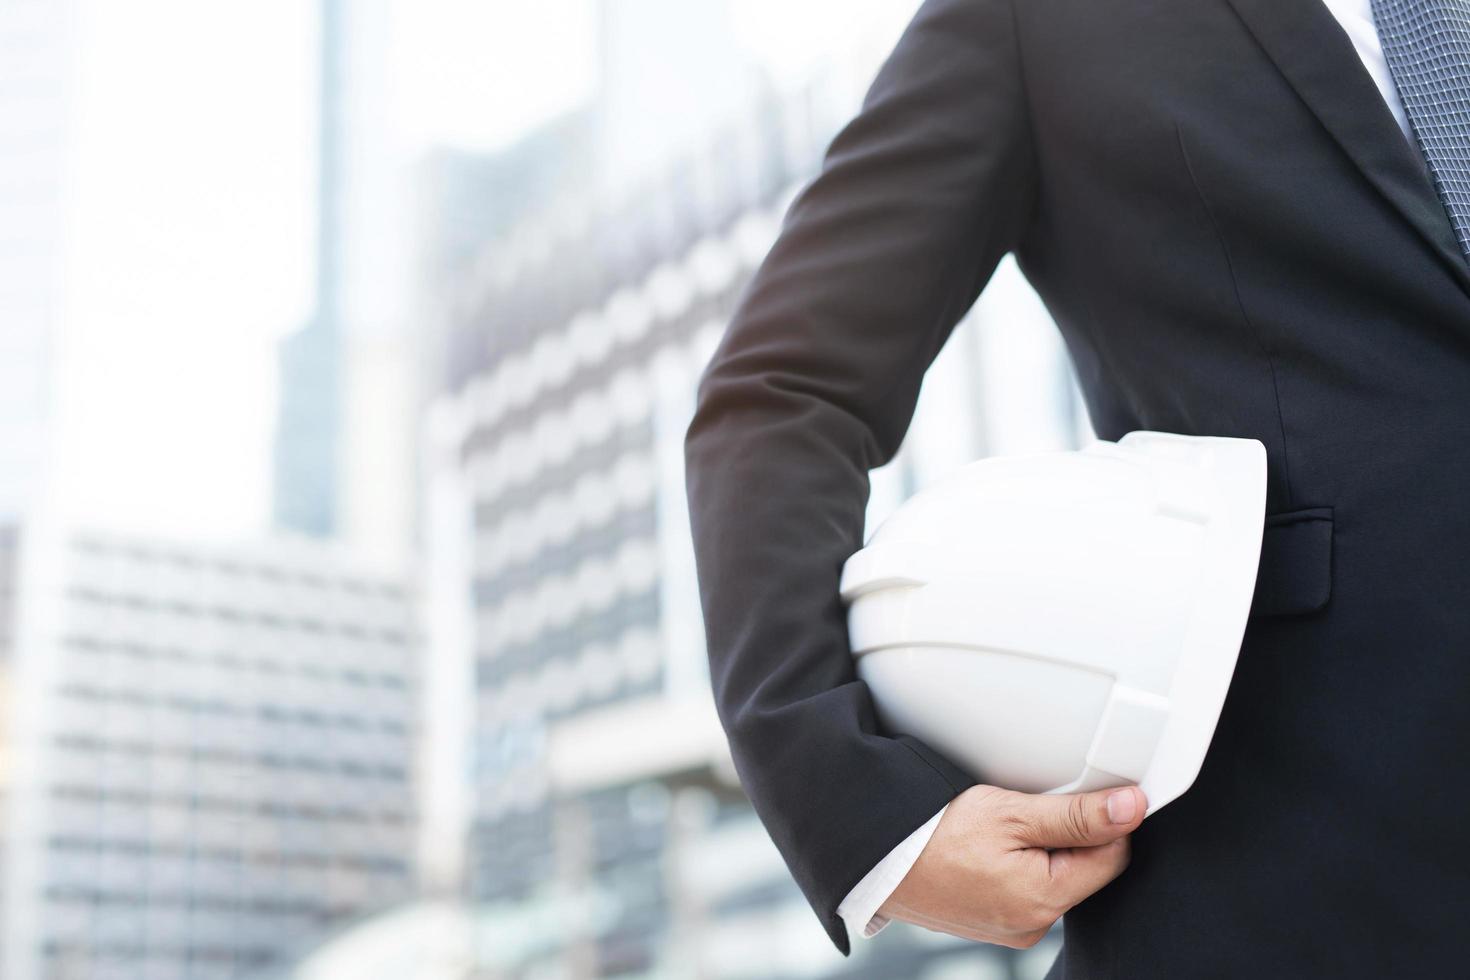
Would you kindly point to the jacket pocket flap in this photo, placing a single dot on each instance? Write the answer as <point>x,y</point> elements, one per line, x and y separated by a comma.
<point>1295,575</point>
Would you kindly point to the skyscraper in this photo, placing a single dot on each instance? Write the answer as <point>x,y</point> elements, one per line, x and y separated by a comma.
<point>308,423</point>
<point>346,424</point>
<point>608,834</point>
<point>35,59</point>
<point>211,754</point>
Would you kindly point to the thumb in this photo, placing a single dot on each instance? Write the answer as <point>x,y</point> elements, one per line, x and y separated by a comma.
<point>1080,819</point>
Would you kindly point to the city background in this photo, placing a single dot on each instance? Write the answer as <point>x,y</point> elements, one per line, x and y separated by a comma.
<point>348,626</point>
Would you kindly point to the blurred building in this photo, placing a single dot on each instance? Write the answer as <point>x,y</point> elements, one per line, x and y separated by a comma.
<point>210,758</point>
<point>345,451</point>
<point>609,837</point>
<point>35,66</point>
<point>9,569</point>
<point>37,49</point>
<point>308,423</point>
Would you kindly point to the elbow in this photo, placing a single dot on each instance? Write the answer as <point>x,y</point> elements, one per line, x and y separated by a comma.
<point>711,401</point>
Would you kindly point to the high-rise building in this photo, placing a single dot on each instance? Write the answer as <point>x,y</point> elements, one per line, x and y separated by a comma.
<point>36,55</point>
<point>308,422</point>
<point>9,567</point>
<point>608,835</point>
<point>210,754</point>
<point>308,430</point>
<point>344,453</point>
<point>35,61</point>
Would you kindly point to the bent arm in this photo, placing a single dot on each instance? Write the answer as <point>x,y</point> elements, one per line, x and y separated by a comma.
<point>813,385</point>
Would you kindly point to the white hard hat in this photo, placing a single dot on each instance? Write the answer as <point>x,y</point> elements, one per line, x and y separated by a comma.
<point>1069,621</point>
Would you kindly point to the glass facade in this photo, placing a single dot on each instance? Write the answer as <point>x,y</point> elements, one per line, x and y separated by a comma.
<point>214,754</point>
<point>308,424</point>
<point>609,836</point>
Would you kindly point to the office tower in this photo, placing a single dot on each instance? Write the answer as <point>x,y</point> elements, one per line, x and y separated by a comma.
<point>609,835</point>
<point>211,754</point>
<point>36,50</point>
<point>9,555</point>
<point>344,450</point>
<point>308,421</point>
<point>35,61</point>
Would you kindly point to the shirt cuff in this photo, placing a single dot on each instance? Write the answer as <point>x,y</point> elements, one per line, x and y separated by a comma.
<point>860,908</point>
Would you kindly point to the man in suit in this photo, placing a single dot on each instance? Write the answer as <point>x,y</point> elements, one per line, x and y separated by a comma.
<point>1248,218</point>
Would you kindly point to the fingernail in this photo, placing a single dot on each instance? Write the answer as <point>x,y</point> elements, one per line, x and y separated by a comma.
<point>1122,806</point>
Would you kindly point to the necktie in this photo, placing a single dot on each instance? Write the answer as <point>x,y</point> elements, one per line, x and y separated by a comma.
<point>1427,45</point>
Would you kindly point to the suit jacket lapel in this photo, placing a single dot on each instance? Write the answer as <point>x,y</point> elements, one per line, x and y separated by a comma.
<point>1318,60</point>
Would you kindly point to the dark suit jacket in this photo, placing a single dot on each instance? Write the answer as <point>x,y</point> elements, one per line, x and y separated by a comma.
<point>1235,239</point>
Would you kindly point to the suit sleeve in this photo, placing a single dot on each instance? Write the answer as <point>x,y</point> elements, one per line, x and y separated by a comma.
<point>814,383</point>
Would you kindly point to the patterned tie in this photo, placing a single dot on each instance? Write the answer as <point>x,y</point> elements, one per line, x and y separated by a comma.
<point>1427,44</point>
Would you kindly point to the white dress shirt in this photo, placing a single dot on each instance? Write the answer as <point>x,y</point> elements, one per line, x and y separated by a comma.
<point>860,908</point>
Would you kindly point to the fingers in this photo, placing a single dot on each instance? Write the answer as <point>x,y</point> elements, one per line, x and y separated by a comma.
<point>1002,866</point>
<point>1078,820</point>
<point>1076,873</point>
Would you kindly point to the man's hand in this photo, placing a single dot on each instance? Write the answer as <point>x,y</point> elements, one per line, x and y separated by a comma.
<point>1002,867</point>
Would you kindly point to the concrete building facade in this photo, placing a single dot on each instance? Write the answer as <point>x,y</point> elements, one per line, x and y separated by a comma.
<point>211,754</point>
<point>609,837</point>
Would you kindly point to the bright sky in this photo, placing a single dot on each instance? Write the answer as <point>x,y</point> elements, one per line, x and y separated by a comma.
<point>476,75</point>
<point>191,220</point>
<point>190,243</point>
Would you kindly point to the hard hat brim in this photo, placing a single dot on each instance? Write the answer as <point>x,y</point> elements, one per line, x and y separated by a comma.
<point>1233,545</point>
